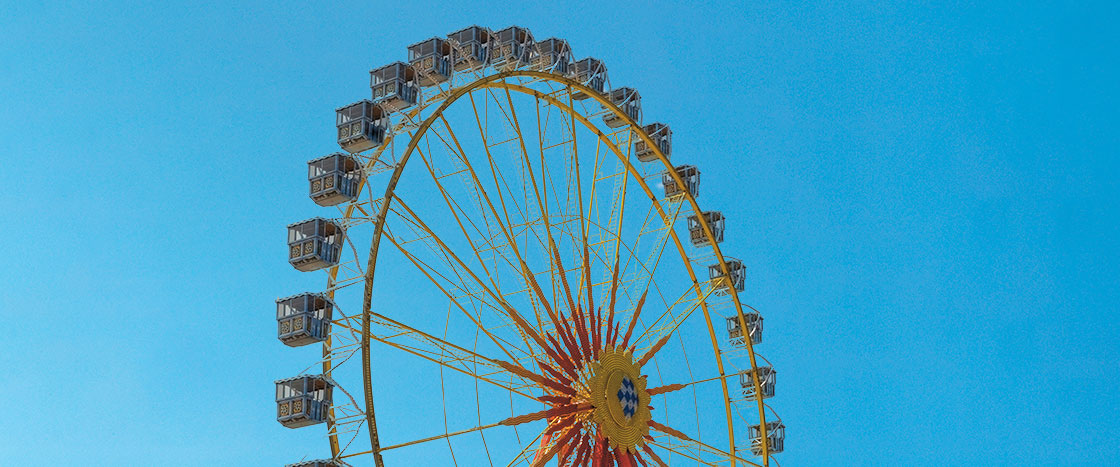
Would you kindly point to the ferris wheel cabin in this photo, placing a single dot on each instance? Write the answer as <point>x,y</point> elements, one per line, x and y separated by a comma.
<point>303,400</point>
<point>303,319</point>
<point>775,434</point>
<point>662,138</point>
<point>314,244</point>
<point>512,48</point>
<point>696,231</point>
<point>629,101</point>
<point>431,60</point>
<point>334,179</point>
<point>552,55</point>
<point>394,86</point>
<point>766,380</point>
<point>591,73</point>
<point>690,176</point>
<point>470,48</point>
<point>736,277</point>
<point>361,126</point>
<point>735,330</point>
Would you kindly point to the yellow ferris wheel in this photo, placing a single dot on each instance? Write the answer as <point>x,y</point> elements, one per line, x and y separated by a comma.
<point>526,276</point>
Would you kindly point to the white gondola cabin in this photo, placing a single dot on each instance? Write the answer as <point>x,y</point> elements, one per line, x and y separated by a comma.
<point>629,101</point>
<point>736,277</point>
<point>470,48</point>
<point>320,463</point>
<point>361,126</point>
<point>775,434</point>
<point>552,55</point>
<point>513,47</point>
<point>662,139</point>
<point>735,329</point>
<point>304,319</point>
<point>431,60</point>
<point>591,73</point>
<point>690,176</point>
<point>303,400</point>
<point>334,179</point>
<point>394,86</point>
<point>696,232</point>
<point>766,379</point>
<point>314,244</point>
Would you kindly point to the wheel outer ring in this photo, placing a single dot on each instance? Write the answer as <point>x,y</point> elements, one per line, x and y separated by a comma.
<point>497,81</point>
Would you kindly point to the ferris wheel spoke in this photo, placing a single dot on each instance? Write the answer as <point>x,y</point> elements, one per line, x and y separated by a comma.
<point>509,311</point>
<point>469,292</point>
<point>643,277</point>
<point>428,271</point>
<point>476,295</point>
<point>525,450</point>
<point>560,288</point>
<point>585,280</point>
<point>669,388</point>
<point>602,138</point>
<point>565,216</point>
<point>443,353</point>
<point>525,271</point>
<point>460,284</point>
<point>525,161</point>
<point>656,329</point>
<point>495,174</point>
<point>560,413</point>
<point>617,253</point>
<point>591,334</point>
<point>487,242</point>
<point>564,433</point>
<point>529,174</point>
<point>676,451</point>
<point>674,433</point>
<point>505,227</point>
<point>697,451</point>
<point>506,115</point>
<point>661,229</point>
<point>552,251</point>
<point>475,187</point>
<point>583,220</point>
<point>460,215</point>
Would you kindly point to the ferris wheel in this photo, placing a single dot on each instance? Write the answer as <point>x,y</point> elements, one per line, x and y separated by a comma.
<point>518,274</point>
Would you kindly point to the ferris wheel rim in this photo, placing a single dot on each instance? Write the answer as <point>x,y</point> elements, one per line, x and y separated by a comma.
<point>498,80</point>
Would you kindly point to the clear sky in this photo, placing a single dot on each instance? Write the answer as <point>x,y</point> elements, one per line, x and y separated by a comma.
<point>925,197</point>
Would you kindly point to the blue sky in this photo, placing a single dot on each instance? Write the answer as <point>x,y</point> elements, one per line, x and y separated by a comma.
<point>924,194</point>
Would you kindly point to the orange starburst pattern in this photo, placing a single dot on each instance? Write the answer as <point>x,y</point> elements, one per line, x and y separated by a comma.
<point>599,406</point>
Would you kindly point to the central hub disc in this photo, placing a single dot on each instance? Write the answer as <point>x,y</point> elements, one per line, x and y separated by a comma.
<point>618,393</point>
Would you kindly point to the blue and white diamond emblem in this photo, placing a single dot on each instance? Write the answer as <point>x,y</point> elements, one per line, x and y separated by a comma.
<point>628,397</point>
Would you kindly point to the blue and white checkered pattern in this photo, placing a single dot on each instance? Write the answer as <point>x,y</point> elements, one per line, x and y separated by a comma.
<point>628,397</point>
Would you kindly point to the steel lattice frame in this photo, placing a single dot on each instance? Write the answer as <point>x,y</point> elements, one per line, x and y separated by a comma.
<point>357,332</point>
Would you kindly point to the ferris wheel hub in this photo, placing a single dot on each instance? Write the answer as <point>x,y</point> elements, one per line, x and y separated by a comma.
<point>618,393</point>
